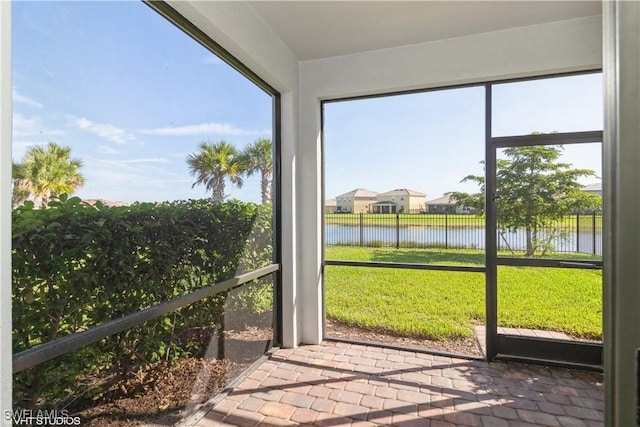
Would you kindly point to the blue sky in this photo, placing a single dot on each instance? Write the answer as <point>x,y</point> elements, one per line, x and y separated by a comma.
<point>429,141</point>
<point>132,96</point>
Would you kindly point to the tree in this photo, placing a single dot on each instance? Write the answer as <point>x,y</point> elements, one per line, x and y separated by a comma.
<point>533,190</point>
<point>44,172</point>
<point>20,190</point>
<point>214,163</point>
<point>258,157</point>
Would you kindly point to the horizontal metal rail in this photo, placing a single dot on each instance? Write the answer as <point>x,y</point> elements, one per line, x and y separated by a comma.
<point>548,139</point>
<point>555,263</point>
<point>408,266</point>
<point>50,350</point>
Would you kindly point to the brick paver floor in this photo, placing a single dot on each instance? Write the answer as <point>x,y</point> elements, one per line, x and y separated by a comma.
<point>340,384</point>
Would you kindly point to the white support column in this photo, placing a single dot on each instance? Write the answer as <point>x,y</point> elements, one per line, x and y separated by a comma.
<point>288,203</point>
<point>622,212</point>
<point>310,216</point>
<point>5,210</point>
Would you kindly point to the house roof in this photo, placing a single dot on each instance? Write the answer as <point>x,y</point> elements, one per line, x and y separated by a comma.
<point>330,202</point>
<point>593,187</point>
<point>360,192</point>
<point>403,192</point>
<point>105,202</point>
<point>444,200</point>
<point>383,203</point>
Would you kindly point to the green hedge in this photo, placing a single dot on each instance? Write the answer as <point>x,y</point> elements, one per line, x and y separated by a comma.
<point>77,265</point>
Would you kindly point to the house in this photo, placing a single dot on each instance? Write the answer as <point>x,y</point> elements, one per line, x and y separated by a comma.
<point>400,200</point>
<point>477,42</point>
<point>356,201</point>
<point>105,202</point>
<point>447,204</point>
<point>595,188</point>
<point>330,206</point>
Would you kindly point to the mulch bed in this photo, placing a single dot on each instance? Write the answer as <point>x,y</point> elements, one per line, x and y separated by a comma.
<point>162,395</point>
<point>159,394</point>
<point>468,346</point>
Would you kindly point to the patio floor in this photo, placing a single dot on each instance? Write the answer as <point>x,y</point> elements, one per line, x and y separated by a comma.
<point>341,384</point>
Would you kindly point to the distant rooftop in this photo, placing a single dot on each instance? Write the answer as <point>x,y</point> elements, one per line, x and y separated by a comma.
<point>444,200</point>
<point>105,202</point>
<point>330,202</point>
<point>360,192</point>
<point>403,192</point>
<point>593,187</point>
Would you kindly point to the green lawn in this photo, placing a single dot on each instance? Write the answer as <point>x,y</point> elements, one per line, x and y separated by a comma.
<point>446,305</point>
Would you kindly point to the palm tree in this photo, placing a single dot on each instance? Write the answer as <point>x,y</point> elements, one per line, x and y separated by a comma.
<point>45,172</point>
<point>258,157</point>
<point>212,164</point>
<point>20,191</point>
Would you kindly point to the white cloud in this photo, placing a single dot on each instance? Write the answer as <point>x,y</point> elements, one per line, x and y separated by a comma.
<point>146,160</point>
<point>23,125</point>
<point>126,163</point>
<point>105,149</point>
<point>20,148</point>
<point>143,179</point>
<point>18,97</point>
<point>109,132</point>
<point>32,127</point>
<point>204,128</point>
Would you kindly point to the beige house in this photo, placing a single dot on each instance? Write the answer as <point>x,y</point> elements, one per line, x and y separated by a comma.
<point>594,189</point>
<point>330,206</point>
<point>400,200</point>
<point>447,204</point>
<point>356,201</point>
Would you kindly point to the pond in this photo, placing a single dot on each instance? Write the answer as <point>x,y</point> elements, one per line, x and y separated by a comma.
<point>588,242</point>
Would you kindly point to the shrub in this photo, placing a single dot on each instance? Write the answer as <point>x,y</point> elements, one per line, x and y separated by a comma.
<point>77,265</point>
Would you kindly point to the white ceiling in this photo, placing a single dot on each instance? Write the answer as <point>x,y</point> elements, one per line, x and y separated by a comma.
<point>320,29</point>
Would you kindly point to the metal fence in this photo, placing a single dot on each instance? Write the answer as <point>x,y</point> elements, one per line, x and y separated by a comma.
<point>578,233</point>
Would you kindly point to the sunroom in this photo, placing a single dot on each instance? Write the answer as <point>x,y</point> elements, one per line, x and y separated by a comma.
<point>319,65</point>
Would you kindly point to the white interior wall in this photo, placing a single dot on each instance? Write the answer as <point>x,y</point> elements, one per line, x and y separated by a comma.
<point>5,209</point>
<point>527,51</point>
<point>241,31</point>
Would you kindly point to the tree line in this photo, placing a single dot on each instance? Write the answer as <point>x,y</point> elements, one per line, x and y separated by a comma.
<point>50,170</point>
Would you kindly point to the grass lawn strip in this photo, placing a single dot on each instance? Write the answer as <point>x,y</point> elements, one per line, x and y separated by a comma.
<point>446,305</point>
